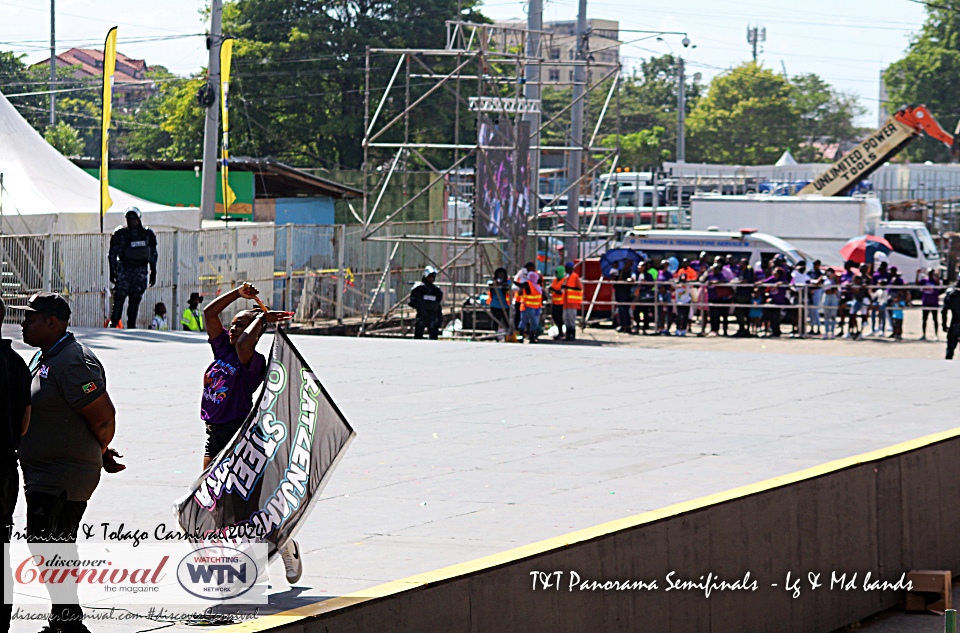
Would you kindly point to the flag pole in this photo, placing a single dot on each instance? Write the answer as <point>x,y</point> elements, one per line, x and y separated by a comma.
<point>226,54</point>
<point>109,65</point>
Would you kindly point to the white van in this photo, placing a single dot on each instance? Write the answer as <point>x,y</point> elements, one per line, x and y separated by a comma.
<point>820,226</point>
<point>913,247</point>
<point>758,247</point>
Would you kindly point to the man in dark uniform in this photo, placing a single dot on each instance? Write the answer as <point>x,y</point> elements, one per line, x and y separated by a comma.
<point>72,422</point>
<point>951,305</point>
<point>427,300</point>
<point>15,414</point>
<point>132,249</point>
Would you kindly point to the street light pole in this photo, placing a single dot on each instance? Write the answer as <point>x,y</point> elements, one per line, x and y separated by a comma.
<point>211,127</point>
<point>53,61</point>
<point>681,113</point>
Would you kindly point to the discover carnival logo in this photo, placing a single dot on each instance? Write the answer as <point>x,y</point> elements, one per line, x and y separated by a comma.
<point>121,574</point>
<point>217,573</point>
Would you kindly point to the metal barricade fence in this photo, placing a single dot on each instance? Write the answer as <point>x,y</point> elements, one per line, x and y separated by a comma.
<point>799,309</point>
<point>316,271</point>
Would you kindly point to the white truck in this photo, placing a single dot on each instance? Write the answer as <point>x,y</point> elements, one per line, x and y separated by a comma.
<point>818,226</point>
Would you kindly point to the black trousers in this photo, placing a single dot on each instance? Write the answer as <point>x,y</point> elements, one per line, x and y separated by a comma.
<point>556,310</point>
<point>501,318</point>
<point>719,314</point>
<point>953,336</point>
<point>429,322</point>
<point>773,313</point>
<point>9,485</point>
<point>53,519</point>
<point>743,323</point>
<point>133,307</point>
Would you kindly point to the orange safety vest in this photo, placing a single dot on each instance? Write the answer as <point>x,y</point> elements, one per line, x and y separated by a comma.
<point>532,299</point>
<point>573,297</point>
<point>518,299</point>
<point>556,292</point>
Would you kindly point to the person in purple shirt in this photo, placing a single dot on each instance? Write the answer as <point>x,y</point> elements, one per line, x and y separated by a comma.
<point>848,273</point>
<point>882,273</point>
<point>231,380</point>
<point>895,278</point>
<point>237,369</point>
<point>777,291</point>
<point>715,281</point>
<point>846,293</point>
<point>664,299</point>
<point>929,300</point>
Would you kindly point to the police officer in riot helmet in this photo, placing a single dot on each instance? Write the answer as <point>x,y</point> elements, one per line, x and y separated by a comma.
<point>133,249</point>
<point>427,299</point>
<point>951,307</point>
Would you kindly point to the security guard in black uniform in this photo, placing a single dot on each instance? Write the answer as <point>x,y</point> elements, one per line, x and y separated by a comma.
<point>951,305</point>
<point>427,300</point>
<point>132,249</point>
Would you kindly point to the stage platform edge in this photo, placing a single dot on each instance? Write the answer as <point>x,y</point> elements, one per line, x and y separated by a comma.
<point>884,512</point>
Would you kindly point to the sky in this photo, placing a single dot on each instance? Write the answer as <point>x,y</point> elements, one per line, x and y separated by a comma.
<point>847,43</point>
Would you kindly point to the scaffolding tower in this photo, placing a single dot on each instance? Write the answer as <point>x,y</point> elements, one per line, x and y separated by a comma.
<point>483,68</point>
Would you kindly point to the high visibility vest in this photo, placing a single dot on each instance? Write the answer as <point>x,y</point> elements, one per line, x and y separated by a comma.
<point>532,299</point>
<point>556,292</point>
<point>573,298</point>
<point>518,299</point>
<point>192,321</point>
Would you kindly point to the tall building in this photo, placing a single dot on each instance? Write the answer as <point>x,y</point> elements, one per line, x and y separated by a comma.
<point>559,44</point>
<point>130,82</point>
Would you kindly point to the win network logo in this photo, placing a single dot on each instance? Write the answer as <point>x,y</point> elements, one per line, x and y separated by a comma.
<point>218,572</point>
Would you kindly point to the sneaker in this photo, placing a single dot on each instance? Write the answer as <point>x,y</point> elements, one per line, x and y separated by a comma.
<point>292,563</point>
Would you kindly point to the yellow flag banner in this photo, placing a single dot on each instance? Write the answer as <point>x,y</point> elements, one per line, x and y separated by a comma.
<point>109,65</point>
<point>226,53</point>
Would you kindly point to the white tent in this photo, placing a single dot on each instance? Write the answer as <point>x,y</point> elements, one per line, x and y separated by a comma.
<point>786,159</point>
<point>43,192</point>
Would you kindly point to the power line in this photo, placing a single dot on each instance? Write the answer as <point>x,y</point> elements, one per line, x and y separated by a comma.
<point>936,5</point>
<point>84,17</point>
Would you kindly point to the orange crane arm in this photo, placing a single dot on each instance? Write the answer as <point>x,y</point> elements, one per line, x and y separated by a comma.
<point>920,119</point>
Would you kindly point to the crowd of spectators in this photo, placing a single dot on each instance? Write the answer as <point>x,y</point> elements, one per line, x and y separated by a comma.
<point>672,298</point>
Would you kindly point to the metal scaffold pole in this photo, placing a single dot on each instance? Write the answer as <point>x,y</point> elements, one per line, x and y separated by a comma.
<point>572,242</point>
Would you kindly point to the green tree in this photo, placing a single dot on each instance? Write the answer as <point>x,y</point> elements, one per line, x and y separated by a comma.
<point>647,100</point>
<point>15,78</point>
<point>640,150</point>
<point>168,125</point>
<point>64,138</point>
<point>298,84</point>
<point>747,117</point>
<point>826,116</point>
<point>930,74</point>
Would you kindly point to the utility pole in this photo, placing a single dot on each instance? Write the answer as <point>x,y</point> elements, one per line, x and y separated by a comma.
<point>755,37</point>
<point>531,91</point>
<point>53,61</point>
<point>211,127</point>
<point>681,112</point>
<point>572,242</point>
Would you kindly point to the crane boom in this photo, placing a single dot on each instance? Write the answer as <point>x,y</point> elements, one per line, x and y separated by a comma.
<point>896,133</point>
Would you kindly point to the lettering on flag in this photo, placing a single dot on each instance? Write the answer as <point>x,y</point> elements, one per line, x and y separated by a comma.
<point>266,480</point>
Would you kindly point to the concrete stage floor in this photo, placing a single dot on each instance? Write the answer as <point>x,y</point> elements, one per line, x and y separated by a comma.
<point>465,449</point>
